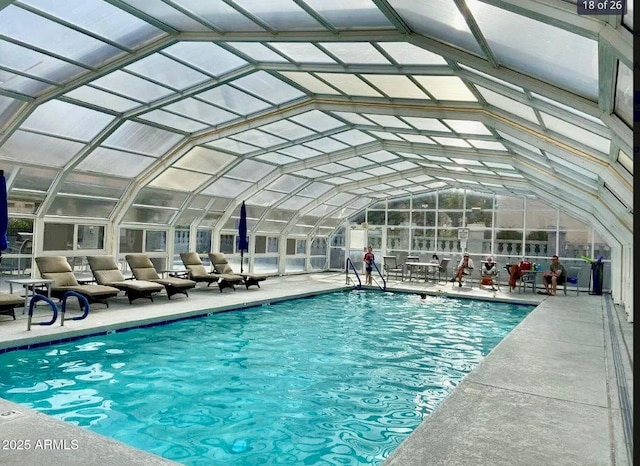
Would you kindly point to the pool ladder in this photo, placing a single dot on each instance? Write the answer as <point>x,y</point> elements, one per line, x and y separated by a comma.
<point>349,280</point>
<point>54,307</point>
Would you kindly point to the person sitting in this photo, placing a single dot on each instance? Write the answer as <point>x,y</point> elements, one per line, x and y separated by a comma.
<point>489,272</point>
<point>554,276</point>
<point>464,268</point>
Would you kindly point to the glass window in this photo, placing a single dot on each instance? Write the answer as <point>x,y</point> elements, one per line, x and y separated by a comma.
<point>227,244</point>
<point>624,90</point>
<point>90,237</point>
<point>180,241</point>
<point>130,240</point>
<point>260,244</point>
<point>58,237</point>
<point>203,242</point>
<point>155,241</point>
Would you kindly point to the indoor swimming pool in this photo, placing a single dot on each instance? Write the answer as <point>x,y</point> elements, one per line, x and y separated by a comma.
<point>340,378</point>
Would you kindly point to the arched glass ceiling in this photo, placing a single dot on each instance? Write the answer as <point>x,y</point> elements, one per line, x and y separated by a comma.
<point>310,110</point>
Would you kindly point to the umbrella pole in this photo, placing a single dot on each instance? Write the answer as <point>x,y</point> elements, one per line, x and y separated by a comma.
<point>241,260</point>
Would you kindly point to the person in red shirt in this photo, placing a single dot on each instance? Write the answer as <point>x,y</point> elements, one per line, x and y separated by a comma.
<point>368,262</point>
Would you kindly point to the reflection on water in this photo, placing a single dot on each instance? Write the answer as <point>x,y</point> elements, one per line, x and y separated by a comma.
<point>337,379</point>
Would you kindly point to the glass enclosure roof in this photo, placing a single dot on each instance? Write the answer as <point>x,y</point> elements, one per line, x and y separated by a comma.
<point>311,110</point>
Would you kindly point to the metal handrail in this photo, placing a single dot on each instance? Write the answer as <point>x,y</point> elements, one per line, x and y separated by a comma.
<point>350,262</point>
<point>384,282</point>
<point>82,300</point>
<point>32,304</point>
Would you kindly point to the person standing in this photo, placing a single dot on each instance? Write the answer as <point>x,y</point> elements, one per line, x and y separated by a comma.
<point>554,276</point>
<point>368,262</point>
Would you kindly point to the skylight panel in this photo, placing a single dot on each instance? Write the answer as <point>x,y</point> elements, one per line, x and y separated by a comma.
<point>131,86</point>
<point>258,138</point>
<point>144,139</point>
<point>349,84</point>
<point>354,118</point>
<point>555,55</point>
<point>510,174</point>
<point>436,158</point>
<point>409,155</point>
<point>336,180</point>
<point>451,141</point>
<point>572,166</point>
<point>353,137</point>
<point>355,53</point>
<point>314,189</point>
<point>207,56</point>
<point>477,163</point>
<point>201,111</point>
<point>385,135</point>
<point>280,14</point>
<point>78,122</point>
<point>28,147</point>
<point>113,162</point>
<point>380,156</point>
<point>276,158</point>
<point>295,203</point>
<point>624,94</point>
<point>227,187</point>
<point>326,145</point>
<point>446,87</point>
<point>568,109</point>
<point>302,52</point>
<point>439,20</point>
<point>401,166</point>
<point>625,161</point>
<point>351,14</point>
<point>426,124</point>
<point>32,29</point>
<point>417,138</point>
<point>379,171</point>
<point>258,52</point>
<point>286,184</point>
<point>491,78</point>
<point>267,87</point>
<point>468,126</point>
<point>520,142</point>
<point>300,152</point>
<point>287,129</point>
<point>404,53</point>
<point>317,120</point>
<point>250,170</point>
<point>102,98</point>
<point>102,19</point>
<point>234,100</point>
<point>480,171</point>
<point>508,105</point>
<point>233,146</point>
<point>489,145</point>
<point>220,14</point>
<point>575,132</point>
<point>179,180</point>
<point>309,82</point>
<point>504,166</point>
<point>388,121</point>
<point>309,173</point>
<point>173,121</point>
<point>205,160</point>
<point>170,16</point>
<point>357,176</point>
<point>169,72</point>
<point>332,168</point>
<point>356,162</point>
<point>396,86</point>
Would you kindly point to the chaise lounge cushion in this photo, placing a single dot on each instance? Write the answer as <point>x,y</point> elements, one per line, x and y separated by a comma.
<point>143,269</point>
<point>106,272</point>
<point>221,265</point>
<point>199,273</point>
<point>58,269</point>
<point>8,303</point>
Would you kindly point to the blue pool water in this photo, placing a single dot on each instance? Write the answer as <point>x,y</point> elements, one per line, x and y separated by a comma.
<point>337,379</point>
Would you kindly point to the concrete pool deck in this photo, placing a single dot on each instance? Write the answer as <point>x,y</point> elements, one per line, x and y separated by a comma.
<point>556,390</point>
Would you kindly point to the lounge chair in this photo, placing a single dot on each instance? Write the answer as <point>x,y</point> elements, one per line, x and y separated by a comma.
<point>198,272</point>
<point>106,272</point>
<point>143,269</point>
<point>8,303</point>
<point>221,265</point>
<point>58,269</point>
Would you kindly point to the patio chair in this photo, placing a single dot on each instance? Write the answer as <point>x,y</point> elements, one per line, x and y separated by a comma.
<point>143,269</point>
<point>391,267</point>
<point>221,265</point>
<point>8,303</point>
<point>198,273</point>
<point>106,272</point>
<point>57,268</point>
<point>572,279</point>
<point>441,270</point>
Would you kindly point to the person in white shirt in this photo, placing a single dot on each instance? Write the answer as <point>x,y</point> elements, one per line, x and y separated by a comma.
<point>464,267</point>
<point>489,271</point>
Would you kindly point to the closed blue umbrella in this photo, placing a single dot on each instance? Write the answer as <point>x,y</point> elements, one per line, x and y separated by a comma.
<point>4,214</point>
<point>243,243</point>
